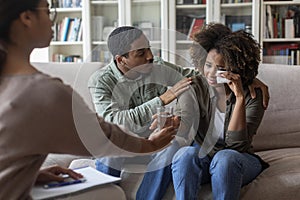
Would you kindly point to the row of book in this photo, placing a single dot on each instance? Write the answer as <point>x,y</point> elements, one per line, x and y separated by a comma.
<point>292,59</point>
<point>286,53</point>
<point>57,57</point>
<point>66,3</point>
<point>180,2</point>
<point>69,29</point>
<point>189,24</point>
<point>280,23</point>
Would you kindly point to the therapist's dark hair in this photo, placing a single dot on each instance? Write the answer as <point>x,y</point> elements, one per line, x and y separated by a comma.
<point>9,11</point>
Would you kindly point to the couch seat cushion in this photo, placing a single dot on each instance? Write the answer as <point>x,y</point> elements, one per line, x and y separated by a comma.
<point>281,180</point>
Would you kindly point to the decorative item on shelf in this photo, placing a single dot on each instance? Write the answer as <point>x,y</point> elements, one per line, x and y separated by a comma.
<point>106,31</point>
<point>294,13</point>
<point>236,23</point>
<point>146,27</point>
<point>180,2</point>
<point>97,28</point>
<point>100,54</point>
<point>289,28</point>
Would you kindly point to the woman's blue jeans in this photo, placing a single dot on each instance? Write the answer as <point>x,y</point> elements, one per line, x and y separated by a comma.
<point>227,171</point>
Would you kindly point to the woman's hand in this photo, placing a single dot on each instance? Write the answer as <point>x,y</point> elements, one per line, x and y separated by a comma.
<point>53,173</point>
<point>235,83</point>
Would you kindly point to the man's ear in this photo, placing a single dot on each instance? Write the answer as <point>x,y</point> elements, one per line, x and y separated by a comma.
<point>26,18</point>
<point>119,59</point>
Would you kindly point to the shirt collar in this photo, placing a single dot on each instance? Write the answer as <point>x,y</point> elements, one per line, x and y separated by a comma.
<point>119,74</point>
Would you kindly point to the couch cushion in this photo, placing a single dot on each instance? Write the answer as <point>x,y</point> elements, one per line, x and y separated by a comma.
<point>62,160</point>
<point>280,127</point>
<point>74,74</point>
<point>280,181</point>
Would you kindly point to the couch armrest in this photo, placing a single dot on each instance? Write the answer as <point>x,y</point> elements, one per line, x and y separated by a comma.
<point>62,160</point>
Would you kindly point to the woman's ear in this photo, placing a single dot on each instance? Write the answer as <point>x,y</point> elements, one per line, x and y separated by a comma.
<point>26,18</point>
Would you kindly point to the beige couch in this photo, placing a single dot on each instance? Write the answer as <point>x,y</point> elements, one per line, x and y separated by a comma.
<point>277,141</point>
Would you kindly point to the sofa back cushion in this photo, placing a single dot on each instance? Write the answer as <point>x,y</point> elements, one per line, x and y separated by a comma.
<point>74,74</point>
<point>280,127</point>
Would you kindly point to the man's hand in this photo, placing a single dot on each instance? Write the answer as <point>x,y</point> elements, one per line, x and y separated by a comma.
<point>53,174</point>
<point>265,91</point>
<point>175,91</point>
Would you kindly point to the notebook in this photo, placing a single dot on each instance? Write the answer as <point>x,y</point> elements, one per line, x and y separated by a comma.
<point>93,178</point>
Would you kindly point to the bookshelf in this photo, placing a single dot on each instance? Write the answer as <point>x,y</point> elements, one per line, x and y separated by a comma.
<point>184,14</point>
<point>128,12</point>
<point>239,14</point>
<point>104,17</point>
<point>70,42</point>
<point>62,47</point>
<point>167,23</point>
<point>236,14</point>
<point>280,35</point>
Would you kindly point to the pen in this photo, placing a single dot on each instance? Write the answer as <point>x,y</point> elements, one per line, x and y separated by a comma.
<point>59,184</point>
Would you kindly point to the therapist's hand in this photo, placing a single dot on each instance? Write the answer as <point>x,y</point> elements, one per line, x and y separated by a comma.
<point>54,173</point>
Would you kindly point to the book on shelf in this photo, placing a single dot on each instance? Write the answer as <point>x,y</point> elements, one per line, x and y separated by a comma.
<point>67,30</point>
<point>64,28</point>
<point>280,49</point>
<point>70,29</point>
<point>292,58</point>
<point>269,22</point>
<point>66,3</point>
<point>79,36</point>
<point>183,24</point>
<point>75,29</point>
<point>282,21</point>
<point>196,26</point>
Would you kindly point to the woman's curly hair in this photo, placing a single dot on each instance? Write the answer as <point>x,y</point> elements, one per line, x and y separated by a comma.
<point>205,40</point>
<point>241,54</point>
